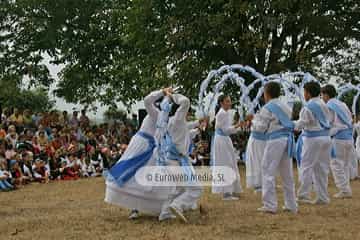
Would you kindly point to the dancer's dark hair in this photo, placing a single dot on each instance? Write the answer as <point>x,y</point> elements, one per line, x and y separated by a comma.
<point>273,89</point>
<point>313,88</point>
<point>221,99</point>
<point>329,90</point>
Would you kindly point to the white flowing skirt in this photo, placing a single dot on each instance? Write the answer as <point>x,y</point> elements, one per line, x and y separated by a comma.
<point>254,157</point>
<point>133,195</point>
<point>223,155</point>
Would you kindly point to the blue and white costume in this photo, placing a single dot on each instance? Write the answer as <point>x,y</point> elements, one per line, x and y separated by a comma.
<point>178,143</point>
<point>343,145</point>
<point>223,152</point>
<point>121,187</point>
<point>314,152</point>
<point>274,120</point>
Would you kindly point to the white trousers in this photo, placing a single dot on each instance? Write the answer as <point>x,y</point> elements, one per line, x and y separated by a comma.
<point>354,169</point>
<point>276,160</point>
<point>342,164</point>
<point>315,167</point>
<point>183,198</point>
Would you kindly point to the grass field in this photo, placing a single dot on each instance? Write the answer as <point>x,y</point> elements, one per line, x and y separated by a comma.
<point>76,210</point>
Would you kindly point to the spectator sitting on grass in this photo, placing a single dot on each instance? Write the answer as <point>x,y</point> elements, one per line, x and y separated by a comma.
<point>27,158</point>
<point>67,172</point>
<point>41,173</point>
<point>5,178</point>
<point>16,173</point>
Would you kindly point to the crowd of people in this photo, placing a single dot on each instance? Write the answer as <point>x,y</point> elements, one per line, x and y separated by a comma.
<point>41,147</point>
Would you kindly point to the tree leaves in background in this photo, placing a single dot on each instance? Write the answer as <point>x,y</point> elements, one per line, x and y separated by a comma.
<point>117,50</point>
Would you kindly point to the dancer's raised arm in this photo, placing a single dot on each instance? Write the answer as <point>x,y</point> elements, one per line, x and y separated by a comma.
<point>149,103</point>
<point>184,106</point>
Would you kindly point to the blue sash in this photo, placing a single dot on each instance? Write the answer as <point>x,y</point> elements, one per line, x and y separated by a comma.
<point>309,134</point>
<point>173,154</point>
<point>191,147</point>
<point>346,134</point>
<point>340,113</point>
<point>258,136</point>
<point>290,139</point>
<point>220,132</point>
<point>124,170</point>
<point>284,119</point>
<point>318,114</point>
<point>286,122</point>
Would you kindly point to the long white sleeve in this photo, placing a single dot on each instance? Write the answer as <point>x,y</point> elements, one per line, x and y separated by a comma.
<point>305,119</point>
<point>149,103</point>
<point>224,122</point>
<point>184,105</point>
<point>308,122</point>
<point>261,121</point>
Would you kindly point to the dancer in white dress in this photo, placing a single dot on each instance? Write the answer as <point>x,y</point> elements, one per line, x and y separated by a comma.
<point>223,153</point>
<point>178,142</point>
<point>124,190</point>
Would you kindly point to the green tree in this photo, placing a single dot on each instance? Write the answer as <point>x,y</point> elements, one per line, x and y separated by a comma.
<point>344,67</point>
<point>11,95</point>
<point>117,50</point>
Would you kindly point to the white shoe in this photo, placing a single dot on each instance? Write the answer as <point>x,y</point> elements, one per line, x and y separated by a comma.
<point>178,213</point>
<point>342,195</point>
<point>304,200</point>
<point>286,209</point>
<point>266,210</point>
<point>134,214</point>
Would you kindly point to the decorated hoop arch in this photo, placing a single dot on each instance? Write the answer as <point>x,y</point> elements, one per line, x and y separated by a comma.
<point>226,74</point>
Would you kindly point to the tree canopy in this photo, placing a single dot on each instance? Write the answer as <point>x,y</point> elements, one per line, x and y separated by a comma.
<point>117,50</point>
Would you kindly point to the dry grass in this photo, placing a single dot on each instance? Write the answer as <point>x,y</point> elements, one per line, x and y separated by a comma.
<point>75,210</point>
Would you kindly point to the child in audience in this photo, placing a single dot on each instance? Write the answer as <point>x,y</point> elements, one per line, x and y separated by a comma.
<point>16,173</point>
<point>40,171</point>
<point>5,184</point>
<point>66,171</point>
<point>27,158</point>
